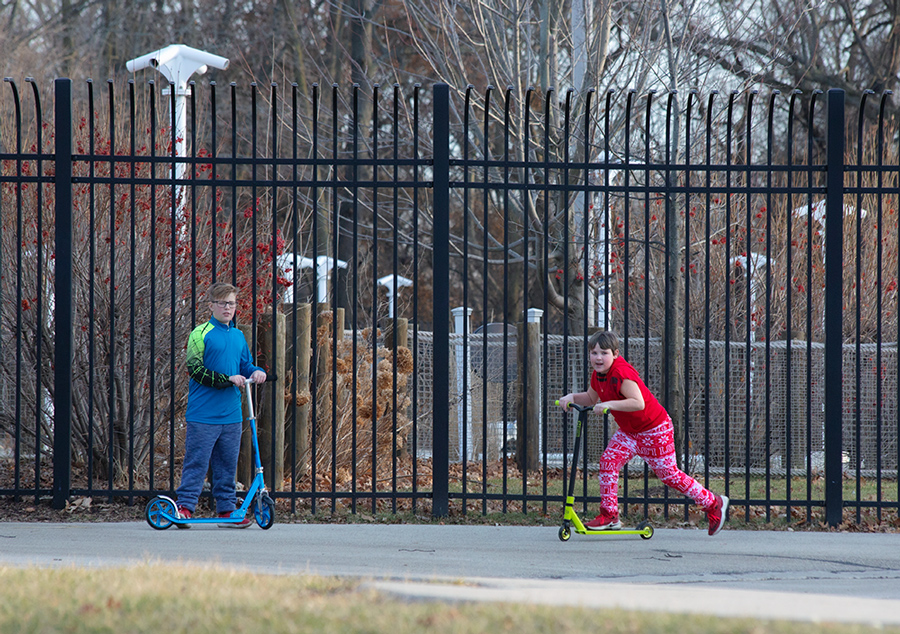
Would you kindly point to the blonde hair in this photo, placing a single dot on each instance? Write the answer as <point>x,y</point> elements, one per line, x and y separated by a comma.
<point>219,290</point>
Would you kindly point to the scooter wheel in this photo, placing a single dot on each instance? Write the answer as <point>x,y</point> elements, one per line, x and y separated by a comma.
<point>264,511</point>
<point>156,512</point>
<point>564,533</point>
<point>647,530</point>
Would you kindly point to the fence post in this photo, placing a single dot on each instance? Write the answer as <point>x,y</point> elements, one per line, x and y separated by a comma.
<point>303,338</point>
<point>270,409</point>
<point>62,302</point>
<point>834,267</point>
<point>528,419</point>
<point>441,294</point>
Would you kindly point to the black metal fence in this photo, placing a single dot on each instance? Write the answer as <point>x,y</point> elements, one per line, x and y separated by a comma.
<point>747,259</point>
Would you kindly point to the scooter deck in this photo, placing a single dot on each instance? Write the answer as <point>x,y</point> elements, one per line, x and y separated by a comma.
<point>202,520</point>
<point>645,530</point>
<point>613,531</point>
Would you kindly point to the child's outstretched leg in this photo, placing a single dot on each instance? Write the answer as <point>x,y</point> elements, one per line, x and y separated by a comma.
<point>657,447</point>
<point>620,450</point>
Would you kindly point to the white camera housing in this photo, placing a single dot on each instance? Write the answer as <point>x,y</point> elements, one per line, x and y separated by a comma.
<point>177,63</point>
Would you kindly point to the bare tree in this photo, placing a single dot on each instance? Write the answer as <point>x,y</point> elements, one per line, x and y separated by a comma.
<point>802,44</point>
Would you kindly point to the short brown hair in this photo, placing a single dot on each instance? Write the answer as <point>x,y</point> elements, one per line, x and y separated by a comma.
<point>606,339</point>
<point>219,290</point>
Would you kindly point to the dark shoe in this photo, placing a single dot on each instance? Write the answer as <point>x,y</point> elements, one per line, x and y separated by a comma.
<point>605,521</point>
<point>716,514</point>
<point>244,523</point>
<point>185,514</point>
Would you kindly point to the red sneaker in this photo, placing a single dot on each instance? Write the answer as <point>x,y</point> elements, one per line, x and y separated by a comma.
<point>244,523</point>
<point>605,521</point>
<point>716,514</point>
<point>185,514</point>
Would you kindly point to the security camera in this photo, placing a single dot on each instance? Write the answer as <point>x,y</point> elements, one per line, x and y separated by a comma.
<point>177,62</point>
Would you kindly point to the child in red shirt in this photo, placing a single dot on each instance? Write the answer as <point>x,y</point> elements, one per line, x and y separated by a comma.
<point>645,429</point>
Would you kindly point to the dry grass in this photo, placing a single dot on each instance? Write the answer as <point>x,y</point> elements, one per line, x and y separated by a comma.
<point>175,598</point>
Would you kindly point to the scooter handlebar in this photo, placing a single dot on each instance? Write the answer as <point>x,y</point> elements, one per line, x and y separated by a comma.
<point>269,379</point>
<point>584,408</point>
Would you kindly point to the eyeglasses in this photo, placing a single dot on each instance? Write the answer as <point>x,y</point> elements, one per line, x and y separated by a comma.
<point>224,304</point>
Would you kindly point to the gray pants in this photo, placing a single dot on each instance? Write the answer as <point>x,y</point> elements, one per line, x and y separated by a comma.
<point>210,446</point>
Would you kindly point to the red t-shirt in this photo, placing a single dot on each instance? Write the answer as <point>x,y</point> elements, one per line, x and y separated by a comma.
<point>609,387</point>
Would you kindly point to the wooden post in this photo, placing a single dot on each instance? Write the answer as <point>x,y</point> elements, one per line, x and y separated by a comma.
<point>528,420</point>
<point>402,340</point>
<point>323,353</point>
<point>339,325</point>
<point>323,378</point>
<point>324,424</point>
<point>302,343</point>
<point>402,333</point>
<point>291,384</point>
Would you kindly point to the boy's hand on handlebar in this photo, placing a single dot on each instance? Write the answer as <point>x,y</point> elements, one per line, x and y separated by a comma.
<point>565,401</point>
<point>240,380</point>
<point>601,408</point>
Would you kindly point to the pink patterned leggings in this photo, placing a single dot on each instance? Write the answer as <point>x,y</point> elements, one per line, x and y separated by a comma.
<point>657,447</point>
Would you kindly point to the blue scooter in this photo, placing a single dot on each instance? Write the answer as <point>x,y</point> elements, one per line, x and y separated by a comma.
<point>162,512</point>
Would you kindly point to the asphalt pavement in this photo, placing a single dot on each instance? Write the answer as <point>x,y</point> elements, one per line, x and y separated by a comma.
<point>809,576</point>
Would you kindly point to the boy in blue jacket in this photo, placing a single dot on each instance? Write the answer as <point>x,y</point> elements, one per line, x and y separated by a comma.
<point>219,363</point>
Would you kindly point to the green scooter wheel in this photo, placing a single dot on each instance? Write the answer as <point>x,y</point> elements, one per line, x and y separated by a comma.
<point>647,530</point>
<point>564,533</point>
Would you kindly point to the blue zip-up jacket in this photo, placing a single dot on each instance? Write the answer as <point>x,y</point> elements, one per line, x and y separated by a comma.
<point>216,351</point>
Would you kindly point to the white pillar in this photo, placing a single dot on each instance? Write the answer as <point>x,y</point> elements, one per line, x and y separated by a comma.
<point>461,325</point>
<point>388,281</point>
<point>597,254</point>
<point>534,316</point>
<point>322,265</point>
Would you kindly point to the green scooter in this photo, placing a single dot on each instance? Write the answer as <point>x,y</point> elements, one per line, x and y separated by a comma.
<point>571,521</point>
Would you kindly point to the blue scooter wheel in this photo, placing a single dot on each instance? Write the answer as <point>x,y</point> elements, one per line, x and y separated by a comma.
<point>264,511</point>
<point>156,512</point>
